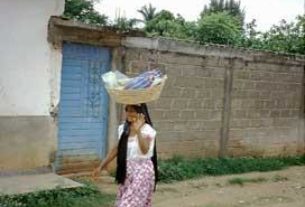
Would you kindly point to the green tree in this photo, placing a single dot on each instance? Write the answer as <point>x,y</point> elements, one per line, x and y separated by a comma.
<point>218,28</point>
<point>232,7</point>
<point>161,24</point>
<point>285,37</point>
<point>250,37</point>
<point>166,24</point>
<point>148,12</point>
<point>186,29</point>
<point>124,24</point>
<point>83,10</point>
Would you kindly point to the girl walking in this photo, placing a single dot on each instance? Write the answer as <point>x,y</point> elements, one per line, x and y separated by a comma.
<point>136,154</point>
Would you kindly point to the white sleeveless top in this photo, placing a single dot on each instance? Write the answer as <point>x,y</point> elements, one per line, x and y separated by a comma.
<point>133,148</point>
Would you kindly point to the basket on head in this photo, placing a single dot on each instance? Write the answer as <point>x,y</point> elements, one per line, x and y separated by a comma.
<point>136,96</point>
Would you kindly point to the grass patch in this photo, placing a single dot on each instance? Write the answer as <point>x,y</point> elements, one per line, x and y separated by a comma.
<point>85,196</point>
<point>179,168</point>
<point>242,181</point>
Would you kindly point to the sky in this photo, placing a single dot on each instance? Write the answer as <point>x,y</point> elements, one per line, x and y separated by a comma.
<point>266,12</point>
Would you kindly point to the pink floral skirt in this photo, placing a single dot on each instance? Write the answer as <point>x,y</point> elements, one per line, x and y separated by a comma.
<point>139,184</point>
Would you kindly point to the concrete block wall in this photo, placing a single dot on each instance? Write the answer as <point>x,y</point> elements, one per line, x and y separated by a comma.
<point>266,109</point>
<point>188,114</point>
<point>222,101</point>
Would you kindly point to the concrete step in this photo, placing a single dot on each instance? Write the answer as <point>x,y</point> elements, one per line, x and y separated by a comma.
<point>20,184</point>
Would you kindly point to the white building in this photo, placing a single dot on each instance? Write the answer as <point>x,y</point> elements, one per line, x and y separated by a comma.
<point>28,88</point>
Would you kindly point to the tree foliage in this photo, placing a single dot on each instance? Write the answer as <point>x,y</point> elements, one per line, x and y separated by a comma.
<point>83,10</point>
<point>285,37</point>
<point>124,24</point>
<point>167,24</point>
<point>219,28</point>
<point>161,24</point>
<point>232,7</point>
<point>221,22</point>
<point>148,12</point>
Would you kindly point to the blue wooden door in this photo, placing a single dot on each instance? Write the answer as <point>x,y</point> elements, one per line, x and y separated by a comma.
<point>83,108</point>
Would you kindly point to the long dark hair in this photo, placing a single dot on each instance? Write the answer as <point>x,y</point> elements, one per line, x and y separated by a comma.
<point>122,146</point>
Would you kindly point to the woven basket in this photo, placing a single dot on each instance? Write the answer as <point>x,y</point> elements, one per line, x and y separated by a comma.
<point>137,96</point>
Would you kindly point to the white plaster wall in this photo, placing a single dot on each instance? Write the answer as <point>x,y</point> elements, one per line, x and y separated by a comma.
<point>29,66</point>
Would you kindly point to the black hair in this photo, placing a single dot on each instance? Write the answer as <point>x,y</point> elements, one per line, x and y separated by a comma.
<point>122,146</point>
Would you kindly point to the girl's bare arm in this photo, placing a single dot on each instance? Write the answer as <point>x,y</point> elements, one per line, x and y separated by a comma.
<point>110,156</point>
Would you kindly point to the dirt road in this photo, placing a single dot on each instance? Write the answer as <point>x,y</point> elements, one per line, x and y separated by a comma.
<point>284,188</point>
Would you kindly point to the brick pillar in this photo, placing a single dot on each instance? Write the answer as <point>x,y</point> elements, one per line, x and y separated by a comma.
<point>224,133</point>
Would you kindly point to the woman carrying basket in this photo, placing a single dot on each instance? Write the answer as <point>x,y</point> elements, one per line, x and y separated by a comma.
<point>136,155</point>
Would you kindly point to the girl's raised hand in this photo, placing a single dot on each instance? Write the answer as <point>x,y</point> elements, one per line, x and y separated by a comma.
<point>139,122</point>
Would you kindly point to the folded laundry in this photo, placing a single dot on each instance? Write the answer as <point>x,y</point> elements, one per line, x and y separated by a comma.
<point>143,80</point>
